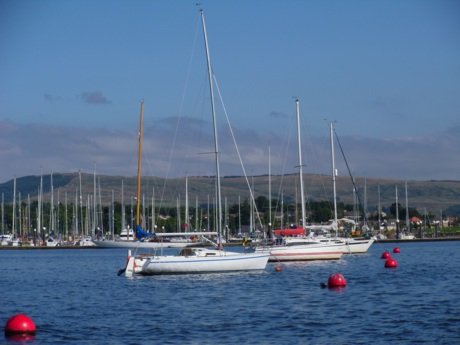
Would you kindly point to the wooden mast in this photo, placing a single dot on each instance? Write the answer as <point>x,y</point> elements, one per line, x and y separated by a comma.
<point>139,158</point>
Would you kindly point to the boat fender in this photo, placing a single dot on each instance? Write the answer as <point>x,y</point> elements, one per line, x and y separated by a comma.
<point>122,270</point>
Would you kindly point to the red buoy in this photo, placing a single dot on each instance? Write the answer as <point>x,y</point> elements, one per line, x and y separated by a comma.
<point>20,324</point>
<point>386,255</point>
<point>278,268</point>
<point>336,280</point>
<point>391,263</point>
<point>396,250</point>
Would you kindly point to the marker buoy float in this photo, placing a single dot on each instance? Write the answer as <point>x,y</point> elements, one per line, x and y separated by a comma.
<point>396,250</point>
<point>278,268</point>
<point>20,325</point>
<point>391,263</point>
<point>386,255</point>
<point>336,280</point>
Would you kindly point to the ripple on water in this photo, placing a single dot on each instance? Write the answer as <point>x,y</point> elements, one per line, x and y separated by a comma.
<point>76,297</point>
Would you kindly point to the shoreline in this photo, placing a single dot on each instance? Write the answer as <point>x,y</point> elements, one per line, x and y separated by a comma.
<point>437,239</point>
<point>416,240</point>
<point>47,248</point>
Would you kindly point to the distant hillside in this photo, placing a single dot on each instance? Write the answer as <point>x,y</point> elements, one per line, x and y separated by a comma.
<point>434,196</point>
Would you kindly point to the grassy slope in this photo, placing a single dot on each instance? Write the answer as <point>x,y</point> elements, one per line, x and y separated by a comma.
<point>432,195</point>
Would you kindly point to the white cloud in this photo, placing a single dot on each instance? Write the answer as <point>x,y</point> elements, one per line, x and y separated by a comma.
<point>32,149</point>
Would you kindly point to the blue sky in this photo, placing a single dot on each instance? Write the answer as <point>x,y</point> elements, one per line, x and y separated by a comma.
<point>72,74</point>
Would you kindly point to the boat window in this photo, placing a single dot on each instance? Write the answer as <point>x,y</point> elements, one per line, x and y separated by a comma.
<point>186,252</point>
<point>299,243</point>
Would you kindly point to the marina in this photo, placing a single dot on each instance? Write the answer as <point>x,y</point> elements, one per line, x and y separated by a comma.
<point>381,242</point>
<point>197,247</point>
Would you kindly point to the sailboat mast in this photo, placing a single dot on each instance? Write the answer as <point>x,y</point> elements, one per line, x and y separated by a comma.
<point>80,230</point>
<point>379,208</point>
<point>3,214</point>
<point>139,157</point>
<point>302,197</point>
<point>186,215</point>
<point>14,207</point>
<point>269,192</point>
<point>123,220</point>
<point>334,174</point>
<point>216,145</point>
<point>154,222</point>
<point>66,227</point>
<point>407,210</point>
<point>397,213</point>
<point>94,223</point>
<point>40,209</point>
<point>51,222</point>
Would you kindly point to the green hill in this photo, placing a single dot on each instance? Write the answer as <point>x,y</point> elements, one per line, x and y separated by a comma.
<point>434,196</point>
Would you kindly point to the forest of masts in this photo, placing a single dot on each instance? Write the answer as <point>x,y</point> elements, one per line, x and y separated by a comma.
<point>73,217</point>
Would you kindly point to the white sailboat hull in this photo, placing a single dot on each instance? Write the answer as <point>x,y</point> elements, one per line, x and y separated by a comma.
<point>6,240</point>
<point>139,244</point>
<point>86,242</point>
<point>197,260</point>
<point>173,240</point>
<point>225,263</point>
<point>347,245</point>
<point>304,252</point>
<point>357,246</point>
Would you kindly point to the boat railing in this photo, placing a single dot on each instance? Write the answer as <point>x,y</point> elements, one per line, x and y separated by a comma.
<point>205,239</point>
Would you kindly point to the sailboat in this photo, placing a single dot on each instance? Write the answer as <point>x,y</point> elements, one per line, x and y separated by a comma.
<point>139,238</point>
<point>51,240</point>
<point>199,259</point>
<point>353,245</point>
<point>402,235</point>
<point>406,234</point>
<point>303,247</point>
<point>350,245</point>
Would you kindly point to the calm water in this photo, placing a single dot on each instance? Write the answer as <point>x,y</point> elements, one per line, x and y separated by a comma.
<point>76,297</point>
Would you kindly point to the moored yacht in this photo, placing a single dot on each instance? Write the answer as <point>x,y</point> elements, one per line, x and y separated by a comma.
<point>198,259</point>
<point>301,249</point>
<point>6,239</point>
